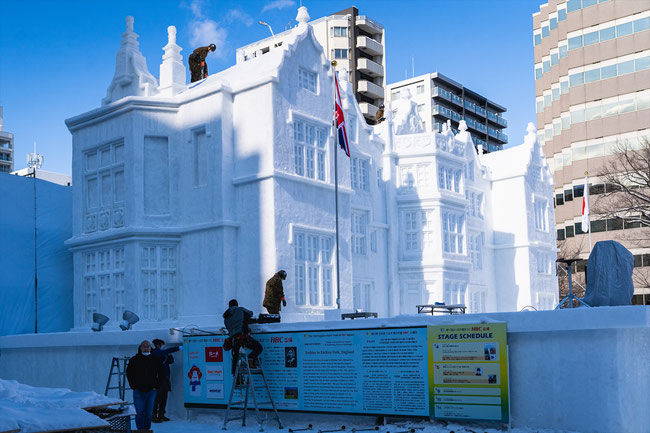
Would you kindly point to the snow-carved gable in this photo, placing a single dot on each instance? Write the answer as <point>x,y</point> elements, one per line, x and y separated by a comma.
<point>447,142</point>
<point>132,78</point>
<point>407,120</point>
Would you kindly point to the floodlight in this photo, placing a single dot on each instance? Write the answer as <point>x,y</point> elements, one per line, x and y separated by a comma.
<point>99,320</point>
<point>130,318</point>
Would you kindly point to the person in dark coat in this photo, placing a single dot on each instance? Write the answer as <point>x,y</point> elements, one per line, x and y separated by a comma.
<point>165,358</point>
<point>274,293</point>
<point>198,67</point>
<point>144,374</point>
<point>236,319</point>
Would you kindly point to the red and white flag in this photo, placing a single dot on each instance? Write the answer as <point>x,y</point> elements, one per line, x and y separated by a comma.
<point>340,121</point>
<point>585,207</point>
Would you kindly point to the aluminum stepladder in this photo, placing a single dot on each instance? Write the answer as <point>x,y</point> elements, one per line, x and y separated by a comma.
<point>245,374</point>
<point>118,368</point>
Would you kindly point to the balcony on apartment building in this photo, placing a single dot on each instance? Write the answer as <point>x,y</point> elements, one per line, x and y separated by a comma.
<point>368,25</point>
<point>368,110</point>
<point>369,67</point>
<point>370,46</point>
<point>370,89</point>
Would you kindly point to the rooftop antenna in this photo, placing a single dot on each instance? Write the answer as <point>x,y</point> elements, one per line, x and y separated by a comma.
<point>34,160</point>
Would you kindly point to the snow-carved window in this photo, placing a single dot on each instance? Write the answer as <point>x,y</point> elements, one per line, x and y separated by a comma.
<point>545,301</point>
<point>469,171</point>
<point>449,178</point>
<point>351,127</point>
<point>313,269</point>
<point>475,203</point>
<point>359,232</point>
<point>411,232</point>
<point>104,187</point>
<point>309,150</point>
<point>477,301</point>
<point>475,249</point>
<point>541,214</point>
<point>373,241</point>
<point>454,292</point>
<point>544,263</point>
<point>417,229</point>
<point>103,283</point>
<point>359,173</point>
<point>308,80</point>
<point>362,295</point>
<point>453,226</point>
<point>415,177</point>
<point>158,277</point>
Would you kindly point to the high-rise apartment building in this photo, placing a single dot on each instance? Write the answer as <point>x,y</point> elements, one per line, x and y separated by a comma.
<point>6,149</point>
<point>440,98</point>
<point>355,41</point>
<point>592,87</point>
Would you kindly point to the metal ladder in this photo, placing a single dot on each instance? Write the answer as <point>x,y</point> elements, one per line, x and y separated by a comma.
<point>245,383</point>
<point>118,368</point>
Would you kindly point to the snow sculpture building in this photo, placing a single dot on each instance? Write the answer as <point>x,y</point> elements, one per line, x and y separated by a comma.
<point>185,196</point>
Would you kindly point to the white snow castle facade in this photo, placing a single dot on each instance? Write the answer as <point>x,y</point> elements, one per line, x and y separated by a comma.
<point>185,196</point>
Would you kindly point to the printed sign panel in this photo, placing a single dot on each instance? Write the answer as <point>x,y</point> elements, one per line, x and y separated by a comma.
<point>468,372</point>
<point>360,371</point>
<point>447,372</point>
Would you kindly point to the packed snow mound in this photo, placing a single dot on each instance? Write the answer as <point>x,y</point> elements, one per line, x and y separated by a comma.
<point>33,409</point>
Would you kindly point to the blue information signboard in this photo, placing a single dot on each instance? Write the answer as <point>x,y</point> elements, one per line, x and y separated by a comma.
<point>381,371</point>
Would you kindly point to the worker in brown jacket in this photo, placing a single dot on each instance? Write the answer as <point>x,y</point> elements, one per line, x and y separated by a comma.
<point>275,293</point>
<point>198,67</point>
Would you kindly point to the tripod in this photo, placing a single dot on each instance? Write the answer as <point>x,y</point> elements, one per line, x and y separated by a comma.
<point>570,297</point>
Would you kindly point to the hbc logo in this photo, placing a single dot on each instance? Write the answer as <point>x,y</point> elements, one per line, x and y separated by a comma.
<point>213,354</point>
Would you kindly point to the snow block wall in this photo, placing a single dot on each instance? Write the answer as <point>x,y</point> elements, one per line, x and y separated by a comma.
<point>35,221</point>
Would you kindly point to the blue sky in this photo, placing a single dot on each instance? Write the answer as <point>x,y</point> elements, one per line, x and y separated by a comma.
<point>58,57</point>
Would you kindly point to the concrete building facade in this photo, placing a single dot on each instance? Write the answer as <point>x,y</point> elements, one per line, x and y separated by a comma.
<point>356,42</point>
<point>592,87</point>
<point>6,149</point>
<point>440,99</point>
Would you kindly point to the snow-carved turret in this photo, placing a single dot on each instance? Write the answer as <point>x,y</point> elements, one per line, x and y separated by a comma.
<point>407,119</point>
<point>302,17</point>
<point>172,70</point>
<point>132,78</point>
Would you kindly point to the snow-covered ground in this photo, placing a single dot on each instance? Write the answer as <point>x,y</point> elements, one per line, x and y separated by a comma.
<point>33,409</point>
<point>205,423</point>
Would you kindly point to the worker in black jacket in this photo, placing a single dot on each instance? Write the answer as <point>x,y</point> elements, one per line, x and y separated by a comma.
<point>236,319</point>
<point>144,374</point>
<point>198,67</point>
<point>165,357</point>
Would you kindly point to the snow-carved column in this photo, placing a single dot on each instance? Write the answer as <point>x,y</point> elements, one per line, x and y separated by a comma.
<point>172,70</point>
<point>132,78</point>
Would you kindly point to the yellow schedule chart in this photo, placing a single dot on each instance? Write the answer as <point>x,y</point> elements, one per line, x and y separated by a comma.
<point>468,372</point>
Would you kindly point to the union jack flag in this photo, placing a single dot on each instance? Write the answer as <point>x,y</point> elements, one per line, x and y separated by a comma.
<point>340,121</point>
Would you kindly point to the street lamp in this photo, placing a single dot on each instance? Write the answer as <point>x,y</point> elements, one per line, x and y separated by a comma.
<point>264,23</point>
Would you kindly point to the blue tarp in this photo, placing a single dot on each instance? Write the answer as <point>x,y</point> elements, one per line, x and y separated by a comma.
<point>609,275</point>
<point>26,251</point>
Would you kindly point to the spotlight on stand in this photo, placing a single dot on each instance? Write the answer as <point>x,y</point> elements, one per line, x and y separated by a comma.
<point>130,318</point>
<point>99,320</point>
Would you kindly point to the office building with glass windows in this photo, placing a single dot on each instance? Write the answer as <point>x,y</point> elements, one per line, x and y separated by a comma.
<point>440,99</point>
<point>592,87</point>
<point>6,149</point>
<point>355,41</point>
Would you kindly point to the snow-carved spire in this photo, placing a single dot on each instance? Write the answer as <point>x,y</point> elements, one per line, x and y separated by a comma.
<point>132,78</point>
<point>531,136</point>
<point>302,17</point>
<point>463,135</point>
<point>172,69</point>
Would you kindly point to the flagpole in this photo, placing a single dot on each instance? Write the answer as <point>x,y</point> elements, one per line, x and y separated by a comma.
<point>589,215</point>
<point>336,190</point>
